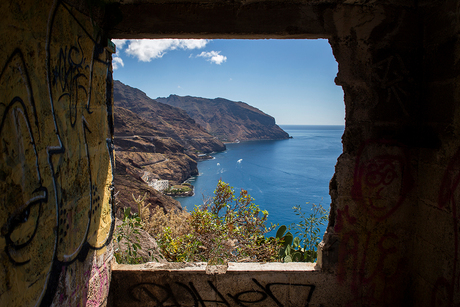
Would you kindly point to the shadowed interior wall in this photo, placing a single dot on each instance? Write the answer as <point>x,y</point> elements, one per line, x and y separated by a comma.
<point>369,237</point>
<point>435,234</point>
<point>55,157</point>
<point>392,237</point>
<point>393,233</point>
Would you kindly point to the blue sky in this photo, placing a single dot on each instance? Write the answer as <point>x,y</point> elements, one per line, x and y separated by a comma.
<point>291,80</point>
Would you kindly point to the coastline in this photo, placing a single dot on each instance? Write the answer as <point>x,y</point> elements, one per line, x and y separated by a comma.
<point>276,174</point>
<point>256,140</point>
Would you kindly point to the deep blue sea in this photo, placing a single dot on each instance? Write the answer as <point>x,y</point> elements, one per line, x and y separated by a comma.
<point>277,174</point>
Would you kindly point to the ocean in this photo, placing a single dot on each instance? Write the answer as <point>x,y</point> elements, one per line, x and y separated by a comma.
<point>277,174</point>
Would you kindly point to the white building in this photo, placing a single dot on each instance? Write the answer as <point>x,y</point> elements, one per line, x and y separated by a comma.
<point>159,185</point>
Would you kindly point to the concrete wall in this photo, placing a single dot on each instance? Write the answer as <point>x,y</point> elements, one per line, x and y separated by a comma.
<point>55,160</point>
<point>392,239</point>
<point>393,234</point>
<point>369,241</point>
<point>243,284</point>
<point>436,250</point>
<point>395,189</point>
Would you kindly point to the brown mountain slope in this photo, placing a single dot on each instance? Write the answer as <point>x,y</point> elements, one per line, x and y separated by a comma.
<point>140,149</point>
<point>172,121</point>
<point>129,123</point>
<point>228,120</point>
<point>128,182</point>
<point>154,140</point>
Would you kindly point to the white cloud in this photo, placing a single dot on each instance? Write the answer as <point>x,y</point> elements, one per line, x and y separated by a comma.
<point>147,49</point>
<point>119,43</point>
<point>213,57</point>
<point>117,62</point>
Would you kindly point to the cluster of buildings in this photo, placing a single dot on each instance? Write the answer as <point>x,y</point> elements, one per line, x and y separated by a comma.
<point>157,184</point>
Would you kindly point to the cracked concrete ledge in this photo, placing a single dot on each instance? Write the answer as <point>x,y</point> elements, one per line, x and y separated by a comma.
<point>232,266</point>
<point>239,284</point>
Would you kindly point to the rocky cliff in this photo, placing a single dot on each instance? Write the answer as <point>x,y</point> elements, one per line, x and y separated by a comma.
<point>161,139</point>
<point>154,141</point>
<point>173,122</point>
<point>228,120</point>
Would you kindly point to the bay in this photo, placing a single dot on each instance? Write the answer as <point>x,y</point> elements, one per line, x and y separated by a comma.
<point>278,174</point>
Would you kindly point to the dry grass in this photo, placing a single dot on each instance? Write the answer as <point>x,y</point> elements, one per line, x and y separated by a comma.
<point>177,221</point>
<point>226,228</point>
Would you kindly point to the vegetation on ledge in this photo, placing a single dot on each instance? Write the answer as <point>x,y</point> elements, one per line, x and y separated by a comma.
<point>226,228</point>
<point>184,189</point>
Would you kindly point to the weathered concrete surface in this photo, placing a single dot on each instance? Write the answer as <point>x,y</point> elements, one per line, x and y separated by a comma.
<point>436,233</point>
<point>398,174</point>
<point>369,237</point>
<point>393,237</point>
<point>55,165</point>
<point>222,19</point>
<point>244,284</point>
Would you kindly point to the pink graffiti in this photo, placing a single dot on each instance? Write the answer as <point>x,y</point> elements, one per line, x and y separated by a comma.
<point>370,260</point>
<point>377,179</point>
<point>98,286</point>
<point>447,196</point>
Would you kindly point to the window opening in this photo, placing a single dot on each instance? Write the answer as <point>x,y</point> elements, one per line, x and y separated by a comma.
<point>291,80</point>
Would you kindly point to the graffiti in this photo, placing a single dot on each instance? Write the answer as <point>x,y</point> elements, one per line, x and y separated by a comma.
<point>445,288</point>
<point>23,195</point>
<point>70,70</point>
<point>98,286</point>
<point>393,76</point>
<point>56,207</point>
<point>68,75</point>
<point>393,70</point>
<point>371,253</point>
<point>381,182</point>
<point>181,294</point>
<point>91,288</point>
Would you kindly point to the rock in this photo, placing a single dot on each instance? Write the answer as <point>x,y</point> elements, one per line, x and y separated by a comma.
<point>228,120</point>
<point>163,120</point>
<point>128,182</point>
<point>155,139</point>
<point>149,248</point>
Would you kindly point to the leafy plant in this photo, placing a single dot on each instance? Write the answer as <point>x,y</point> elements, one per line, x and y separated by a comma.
<point>127,235</point>
<point>225,228</point>
<point>286,239</point>
<point>304,247</point>
<point>239,227</point>
<point>309,227</point>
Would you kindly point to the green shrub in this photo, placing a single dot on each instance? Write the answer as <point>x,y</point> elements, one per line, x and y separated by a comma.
<point>302,248</point>
<point>178,189</point>
<point>226,228</point>
<point>127,234</point>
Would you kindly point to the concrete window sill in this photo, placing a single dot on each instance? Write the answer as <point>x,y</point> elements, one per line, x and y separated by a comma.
<point>235,284</point>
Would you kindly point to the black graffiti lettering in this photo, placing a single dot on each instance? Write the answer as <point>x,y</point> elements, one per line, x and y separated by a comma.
<point>268,291</point>
<point>174,295</point>
<point>167,295</point>
<point>239,297</point>
<point>68,76</point>
<point>202,302</point>
<point>151,290</point>
<point>71,63</point>
<point>192,291</point>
